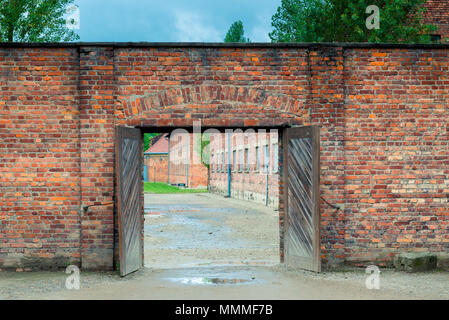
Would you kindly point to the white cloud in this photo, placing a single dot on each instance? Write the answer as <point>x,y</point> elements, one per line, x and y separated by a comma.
<point>259,33</point>
<point>191,27</point>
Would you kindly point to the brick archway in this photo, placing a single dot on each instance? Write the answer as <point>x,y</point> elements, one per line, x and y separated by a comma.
<point>214,105</point>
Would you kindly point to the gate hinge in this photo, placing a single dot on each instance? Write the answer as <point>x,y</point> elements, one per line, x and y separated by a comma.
<point>86,208</point>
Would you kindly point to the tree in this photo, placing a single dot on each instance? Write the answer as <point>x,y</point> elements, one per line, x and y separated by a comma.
<point>202,143</point>
<point>35,21</point>
<point>147,137</point>
<point>236,33</point>
<point>345,21</point>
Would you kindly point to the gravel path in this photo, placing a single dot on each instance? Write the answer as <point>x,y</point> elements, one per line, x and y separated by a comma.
<point>216,282</point>
<point>24,285</point>
<point>205,230</point>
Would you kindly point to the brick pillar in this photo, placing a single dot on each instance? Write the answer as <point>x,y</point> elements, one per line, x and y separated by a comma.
<point>96,90</point>
<point>326,104</point>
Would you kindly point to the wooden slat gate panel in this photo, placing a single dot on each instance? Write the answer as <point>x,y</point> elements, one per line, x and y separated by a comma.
<point>129,198</point>
<point>302,191</point>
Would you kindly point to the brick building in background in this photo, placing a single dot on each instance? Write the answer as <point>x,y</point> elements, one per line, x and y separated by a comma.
<point>253,163</point>
<point>175,167</point>
<point>185,165</point>
<point>438,14</point>
<point>156,160</point>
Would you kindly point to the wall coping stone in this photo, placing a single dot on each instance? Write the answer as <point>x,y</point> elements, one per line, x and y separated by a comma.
<point>223,45</point>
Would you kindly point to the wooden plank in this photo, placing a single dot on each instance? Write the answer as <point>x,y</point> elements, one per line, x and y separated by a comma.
<point>129,197</point>
<point>302,187</point>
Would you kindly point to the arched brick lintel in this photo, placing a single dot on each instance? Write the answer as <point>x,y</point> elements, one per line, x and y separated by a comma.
<point>214,105</point>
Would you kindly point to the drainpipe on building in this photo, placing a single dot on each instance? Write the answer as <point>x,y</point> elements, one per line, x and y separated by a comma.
<point>146,171</point>
<point>168,165</point>
<point>188,161</point>
<point>266,198</point>
<point>267,168</point>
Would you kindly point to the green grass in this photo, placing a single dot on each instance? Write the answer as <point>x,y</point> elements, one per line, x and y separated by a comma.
<point>159,187</point>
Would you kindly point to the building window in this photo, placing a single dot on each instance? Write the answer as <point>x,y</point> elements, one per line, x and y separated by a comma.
<point>246,160</point>
<point>211,162</point>
<point>222,162</point>
<point>266,159</point>
<point>241,160</point>
<point>226,162</point>
<point>275,161</point>
<point>234,159</point>
<point>257,159</point>
<point>217,161</point>
<point>435,38</point>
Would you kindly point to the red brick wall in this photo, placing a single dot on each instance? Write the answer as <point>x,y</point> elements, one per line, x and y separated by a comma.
<point>396,152</point>
<point>326,103</point>
<point>97,106</point>
<point>384,137</point>
<point>443,31</point>
<point>39,158</point>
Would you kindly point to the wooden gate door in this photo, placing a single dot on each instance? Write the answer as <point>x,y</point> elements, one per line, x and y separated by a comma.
<point>129,198</point>
<point>302,192</point>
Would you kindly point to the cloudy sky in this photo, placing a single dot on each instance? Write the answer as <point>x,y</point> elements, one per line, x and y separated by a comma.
<point>173,20</point>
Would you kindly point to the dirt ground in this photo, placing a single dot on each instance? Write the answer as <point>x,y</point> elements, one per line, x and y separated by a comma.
<point>202,229</point>
<point>206,283</point>
<point>201,246</point>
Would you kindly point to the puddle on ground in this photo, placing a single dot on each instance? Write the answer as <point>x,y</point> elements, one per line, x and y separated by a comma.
<point>197,231</point>
<point>190,208</point>
<point>209,281</point>
<point>220,263</point>
<point>224,275</point>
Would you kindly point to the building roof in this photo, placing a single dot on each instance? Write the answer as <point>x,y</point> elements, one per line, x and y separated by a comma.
<point>160,146</point>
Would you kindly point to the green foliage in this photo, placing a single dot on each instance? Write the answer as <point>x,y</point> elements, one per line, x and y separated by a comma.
<point>205,150</point>
<point>147,137</point>
<point>34,21</point>
<point>202,147</point>
<point>236,33</point>
<point>345,21</point>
